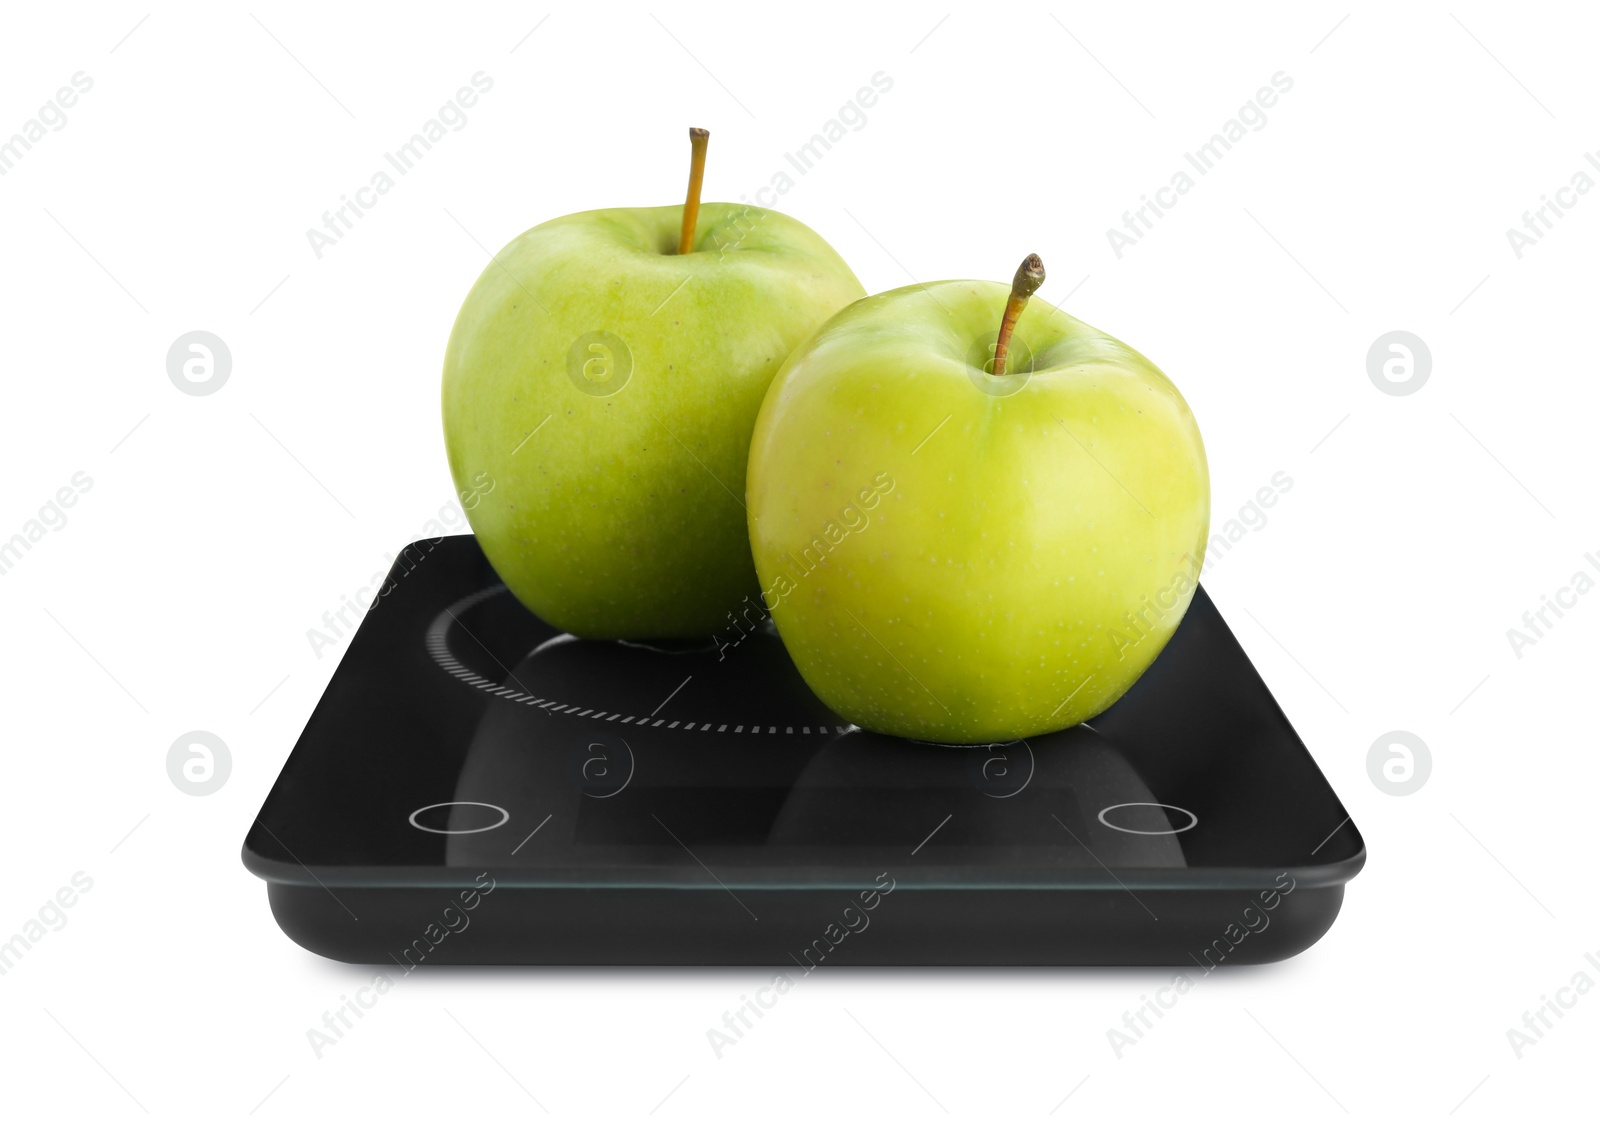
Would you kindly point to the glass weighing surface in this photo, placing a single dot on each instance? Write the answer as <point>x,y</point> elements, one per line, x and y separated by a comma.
<point>613,802</point>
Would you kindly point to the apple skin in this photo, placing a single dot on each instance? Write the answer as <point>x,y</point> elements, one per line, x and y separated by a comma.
<point>956,566</point>
<point>622,516</point>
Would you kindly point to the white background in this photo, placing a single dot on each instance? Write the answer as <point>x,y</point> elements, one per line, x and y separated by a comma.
<point>219,529</point>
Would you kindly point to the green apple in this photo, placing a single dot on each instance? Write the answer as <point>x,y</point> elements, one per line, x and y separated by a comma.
<point>957,556</point>
<point>600,389</point>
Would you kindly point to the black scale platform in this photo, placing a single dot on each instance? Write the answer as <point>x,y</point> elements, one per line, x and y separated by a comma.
<point>475,787</point>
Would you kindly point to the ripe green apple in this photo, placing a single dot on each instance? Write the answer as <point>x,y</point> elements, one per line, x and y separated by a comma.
<point>600,389</point>
<point>958,557</point>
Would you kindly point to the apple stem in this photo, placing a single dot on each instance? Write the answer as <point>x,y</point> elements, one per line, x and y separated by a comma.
<point>697,173</point>
<point>1030,276</point>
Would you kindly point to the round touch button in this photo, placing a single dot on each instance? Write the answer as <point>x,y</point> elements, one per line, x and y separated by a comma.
<point>471,818</point>
<point>1148,818</point>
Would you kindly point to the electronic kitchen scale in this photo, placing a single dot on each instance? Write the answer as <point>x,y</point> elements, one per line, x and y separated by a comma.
<point>476,787</point>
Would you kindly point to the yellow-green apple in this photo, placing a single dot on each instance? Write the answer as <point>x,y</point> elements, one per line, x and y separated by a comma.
<point>967,535</point>
<point>600,387</point>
